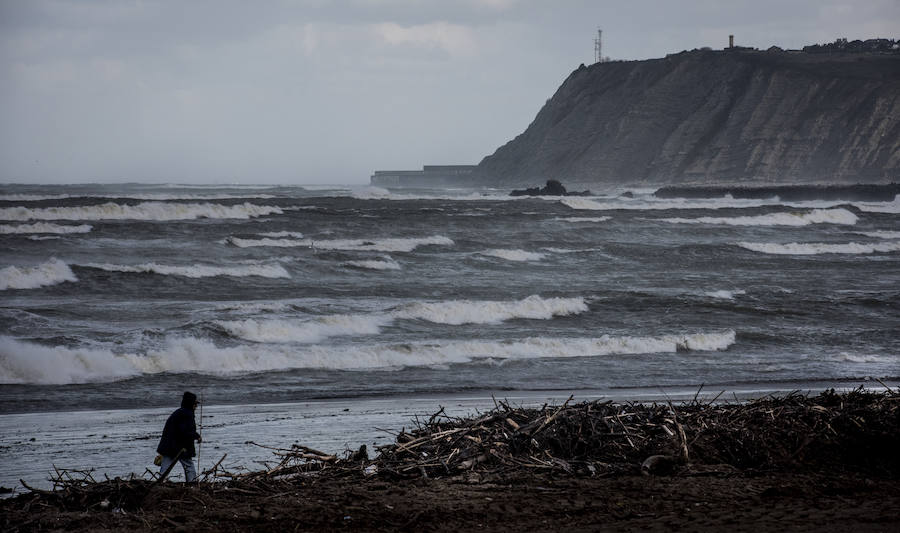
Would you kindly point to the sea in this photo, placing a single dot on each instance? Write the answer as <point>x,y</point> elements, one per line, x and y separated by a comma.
<point>333,316</point>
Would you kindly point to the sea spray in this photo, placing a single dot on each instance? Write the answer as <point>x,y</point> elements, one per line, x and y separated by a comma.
<point>52,272</point>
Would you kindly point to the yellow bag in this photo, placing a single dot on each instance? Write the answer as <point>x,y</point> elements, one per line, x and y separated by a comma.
<point>158,460</point>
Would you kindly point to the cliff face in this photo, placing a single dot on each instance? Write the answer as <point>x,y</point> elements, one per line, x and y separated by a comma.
<point>714,117</point>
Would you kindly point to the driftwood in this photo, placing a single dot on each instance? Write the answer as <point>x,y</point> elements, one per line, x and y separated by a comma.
<point>856,431</point>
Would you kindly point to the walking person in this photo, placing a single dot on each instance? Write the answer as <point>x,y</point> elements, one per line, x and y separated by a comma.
<point>179,434</point>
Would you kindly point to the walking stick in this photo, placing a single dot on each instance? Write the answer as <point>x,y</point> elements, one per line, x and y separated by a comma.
<point>200,444</point>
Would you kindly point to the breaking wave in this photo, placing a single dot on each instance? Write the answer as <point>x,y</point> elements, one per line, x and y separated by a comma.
<point>386,263</point>
<point>474,312</point>
<point>52,272</point>
<point>42,227</point>
<point>24,362</point>
<point>131,196</point>
<point>816,216</point>
<point>454,313</point>
<point>881,234</point>
<point>583,219</point>
<point>155,211</point>
<point>725,295</point>
<point>514,255</point>
<point>355,245</point>
<point>310,331</point>
<point>814,248</point>
<point>197,271</point>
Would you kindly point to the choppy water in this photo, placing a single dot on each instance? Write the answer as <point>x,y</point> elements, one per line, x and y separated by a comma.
<point>122,296</point>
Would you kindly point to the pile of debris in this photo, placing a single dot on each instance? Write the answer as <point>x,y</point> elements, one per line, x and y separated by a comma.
<point>856,430</point>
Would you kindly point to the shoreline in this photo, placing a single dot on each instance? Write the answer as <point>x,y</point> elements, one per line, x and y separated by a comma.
<point>119,442</point>
<point>797,463</point>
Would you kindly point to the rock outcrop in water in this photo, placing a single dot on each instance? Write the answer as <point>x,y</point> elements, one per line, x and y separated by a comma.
<point>552,188</point>
<point>734,116</point>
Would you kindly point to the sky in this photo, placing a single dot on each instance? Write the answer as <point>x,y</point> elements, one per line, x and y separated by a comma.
<point>326,92</point>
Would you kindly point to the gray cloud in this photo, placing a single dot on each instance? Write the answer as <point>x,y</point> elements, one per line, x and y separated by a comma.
<point>314,91</point>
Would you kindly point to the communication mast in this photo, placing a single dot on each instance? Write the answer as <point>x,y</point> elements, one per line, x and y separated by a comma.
<point>598,46</point>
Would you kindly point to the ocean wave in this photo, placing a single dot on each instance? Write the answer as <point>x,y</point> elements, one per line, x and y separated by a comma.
<point>385,263</point>
<point>282,235</point>
<point>454,312</point>
<point>355,245</point>
<point>160,197</point>
<point>881,234</point>
<point>42,227</point>
<point>154,211</point>
<point>879,207</point>
<point>197,271</point>
<point>491,312</point>
<point>267,242</point>
<point>817,248</point>
<point>514,255</point>
<point>309,331</point>
<point>24,362</point>
<point>379,193</point>
<point>816,216</point>
<point>583,219</point>
<point>52,272</point>
<point>725,295</point>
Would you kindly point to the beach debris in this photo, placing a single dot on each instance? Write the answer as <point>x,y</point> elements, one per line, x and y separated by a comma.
<point>855,431</point>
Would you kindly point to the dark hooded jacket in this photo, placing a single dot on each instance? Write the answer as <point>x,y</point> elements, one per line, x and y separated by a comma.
<point>180,430</point>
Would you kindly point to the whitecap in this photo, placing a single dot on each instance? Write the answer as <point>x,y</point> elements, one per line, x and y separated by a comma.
<point>309,331</point>
<point>154,211</point>
<point>52,272</point>
<point>514,255</point>
<point>386,263</point>
<point>881,234</point>
<point>197,271</point>
<point>815,248</point>
<point>24,362</point>
<point>43,227</point>
<point>816,216</point>
<point>491,312</point>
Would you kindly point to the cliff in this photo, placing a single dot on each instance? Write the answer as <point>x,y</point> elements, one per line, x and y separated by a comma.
<point>729,117</point>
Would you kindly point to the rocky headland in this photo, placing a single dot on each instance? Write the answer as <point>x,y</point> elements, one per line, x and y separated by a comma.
<point>738,116</point>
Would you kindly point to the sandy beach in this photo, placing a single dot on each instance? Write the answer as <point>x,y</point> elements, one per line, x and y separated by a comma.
<point>116,443</point>
<point>793,463</point>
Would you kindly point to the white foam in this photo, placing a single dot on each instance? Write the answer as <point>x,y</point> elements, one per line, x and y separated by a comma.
<point>583,219</point>
<point>725,295</point>
<point>491,312</point>
<point>42,227</point>
<point>158,211</point>
<point>813,248</point>
<point>131,196</point>
<point>456,312</point>
<point>272,243</point>
<point>881,234</point>
<point>514,255</point>
<point>198,271</point>
<point>309,331</point>
<point>358,245</point>
<point>879,207</point>
<point>23,362</point>
<point>816,216</point>
<point>386,263</point>
<point>52,272</point>
<point>256,307</point>
<point>283,234</point>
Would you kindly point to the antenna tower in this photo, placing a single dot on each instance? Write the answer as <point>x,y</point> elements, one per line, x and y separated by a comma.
<point>598,43</point>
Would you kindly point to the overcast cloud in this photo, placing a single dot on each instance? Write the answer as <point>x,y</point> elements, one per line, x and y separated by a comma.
<point>316,91</point>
